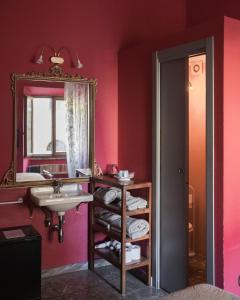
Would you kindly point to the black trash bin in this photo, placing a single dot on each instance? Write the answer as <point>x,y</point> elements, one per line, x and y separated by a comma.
<point>20,263</point>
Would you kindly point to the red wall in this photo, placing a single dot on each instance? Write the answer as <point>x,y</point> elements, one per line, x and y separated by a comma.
<point>231,155</point>
<point>232,8</point>
<point>204,10</point>
<point>135,114</point>
<point>96,30</point>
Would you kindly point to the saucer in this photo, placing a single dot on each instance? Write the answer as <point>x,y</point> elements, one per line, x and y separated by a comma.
<point>122,178</point>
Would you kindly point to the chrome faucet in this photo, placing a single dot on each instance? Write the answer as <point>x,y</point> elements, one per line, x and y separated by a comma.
<point>57,187</point>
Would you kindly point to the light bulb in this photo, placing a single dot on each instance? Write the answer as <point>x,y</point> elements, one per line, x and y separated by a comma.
<point>40,60</point>
<point>79,65</point>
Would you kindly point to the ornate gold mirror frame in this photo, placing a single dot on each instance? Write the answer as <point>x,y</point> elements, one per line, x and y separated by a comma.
<point>9,177</point>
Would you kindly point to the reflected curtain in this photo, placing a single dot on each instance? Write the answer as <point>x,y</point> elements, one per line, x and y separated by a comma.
<point>76,97</point>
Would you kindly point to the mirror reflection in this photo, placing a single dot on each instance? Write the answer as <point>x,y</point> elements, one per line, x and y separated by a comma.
<point>54,130</point>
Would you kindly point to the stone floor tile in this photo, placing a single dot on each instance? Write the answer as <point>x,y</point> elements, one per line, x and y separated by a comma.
<point>99,285</point>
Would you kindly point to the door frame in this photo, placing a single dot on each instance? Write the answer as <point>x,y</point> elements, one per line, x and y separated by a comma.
<point>201,46</point>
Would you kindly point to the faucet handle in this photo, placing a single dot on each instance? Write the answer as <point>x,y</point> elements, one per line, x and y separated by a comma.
<point>57,186</point>
<point>55,183</point>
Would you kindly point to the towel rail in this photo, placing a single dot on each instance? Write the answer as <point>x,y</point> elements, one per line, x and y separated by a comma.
<point>18,201</point>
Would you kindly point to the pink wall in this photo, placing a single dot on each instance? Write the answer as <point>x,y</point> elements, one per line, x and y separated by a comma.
<point>135,114</point>
<point>96,30</point>
<point>231,155</point>
<point>197,148</point>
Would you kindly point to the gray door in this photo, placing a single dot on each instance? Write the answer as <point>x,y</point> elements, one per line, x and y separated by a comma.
<point>173,164</point>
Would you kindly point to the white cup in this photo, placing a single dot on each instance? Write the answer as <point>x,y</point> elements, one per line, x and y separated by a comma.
<point>123,174</point>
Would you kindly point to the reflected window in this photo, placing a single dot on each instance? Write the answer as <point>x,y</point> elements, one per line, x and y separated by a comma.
<point>61,134</point>
<point>45,126</point>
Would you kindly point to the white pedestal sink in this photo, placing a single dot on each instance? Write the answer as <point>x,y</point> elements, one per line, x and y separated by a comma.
<point>70,196</point>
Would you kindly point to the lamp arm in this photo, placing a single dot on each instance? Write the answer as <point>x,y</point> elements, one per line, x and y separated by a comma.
<point>53,50</point>
<point>76,64</point>
<point>44,47</point>
<point>61,49</point>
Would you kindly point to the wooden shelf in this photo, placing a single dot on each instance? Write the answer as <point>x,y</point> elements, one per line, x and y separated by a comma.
<point>115,236</point>
<point>140,211</point>
<point>117,210</point>
<point>121,237</point>
<point>114,259</point>
<point>110,207</point>
<point>109,256</point>
<point>130,185</point>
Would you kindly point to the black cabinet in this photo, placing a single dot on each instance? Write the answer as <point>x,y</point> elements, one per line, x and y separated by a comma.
<point>20,263</point>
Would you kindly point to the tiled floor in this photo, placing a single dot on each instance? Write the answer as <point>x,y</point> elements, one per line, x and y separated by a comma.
<point>87,285</point>
<point>196,270</point>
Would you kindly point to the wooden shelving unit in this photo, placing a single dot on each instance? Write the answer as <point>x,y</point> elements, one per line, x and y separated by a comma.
<point>119,261</point>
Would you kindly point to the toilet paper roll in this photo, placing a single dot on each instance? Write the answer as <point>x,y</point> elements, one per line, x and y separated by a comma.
<point>128,256</point>
<point>136,252</point>
<point>132,253</point>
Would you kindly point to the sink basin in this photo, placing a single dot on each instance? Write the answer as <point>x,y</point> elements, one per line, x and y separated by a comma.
<point>71,195</point>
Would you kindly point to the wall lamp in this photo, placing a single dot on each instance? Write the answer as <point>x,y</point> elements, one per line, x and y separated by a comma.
<point>57,60</point>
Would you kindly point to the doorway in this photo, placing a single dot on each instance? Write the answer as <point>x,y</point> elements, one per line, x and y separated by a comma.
<point>183,224</point>
<point>196,182</point>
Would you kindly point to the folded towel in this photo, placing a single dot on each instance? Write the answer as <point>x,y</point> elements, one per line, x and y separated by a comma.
<point>103,223</point>
<point>106,215</point>
<point>113,245</point>
<point>135,228</point>
<point>108,195</point>
<point>119,193</point>
<point>134,203</point>
<point>134,235</point>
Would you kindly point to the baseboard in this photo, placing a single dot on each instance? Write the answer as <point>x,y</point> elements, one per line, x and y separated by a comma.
<point>72,268</point>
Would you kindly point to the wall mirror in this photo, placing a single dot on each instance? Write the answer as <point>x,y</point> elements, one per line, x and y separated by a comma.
<point>53,129</point>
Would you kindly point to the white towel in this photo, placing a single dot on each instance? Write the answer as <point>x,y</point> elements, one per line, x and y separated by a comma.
<point>119,192</point>
<point>134,203</point>
<point>106,215</point>
<point>134,235</point>
<point>135,228</point>
<point>103,223</point>
<point>108,195</point>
